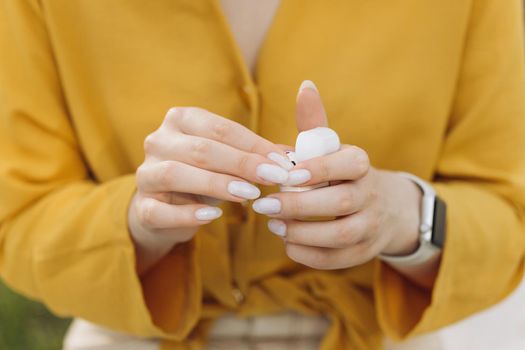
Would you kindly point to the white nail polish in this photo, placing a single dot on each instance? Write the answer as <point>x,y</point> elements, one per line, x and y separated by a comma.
<point>208,213</point>
<point>297,177</point>
<point>243,190</point>
<point>308,84</point>
<point>281,160</point>
<point>277,227</point>
<point>272,173</point>
<point>267,206</point>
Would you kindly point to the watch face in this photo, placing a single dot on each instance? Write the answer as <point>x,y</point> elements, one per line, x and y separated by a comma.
<point>439,226</point>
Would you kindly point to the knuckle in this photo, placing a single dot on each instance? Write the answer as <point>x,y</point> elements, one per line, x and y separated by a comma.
<point>324,168</point>
<point>344,235</point>
<point>257,146</point>
<point>221,130</point>
<point>212,184</point>
<point>345,203</point>
<point>151,143</point>
<point>140,175</point>
<point>173,115</point>
<point>146,212</point>
<point>361,162</point>
<point>166,174</point>
<point>292,205</point>
<point>243,162</point>
<point>199,151</point>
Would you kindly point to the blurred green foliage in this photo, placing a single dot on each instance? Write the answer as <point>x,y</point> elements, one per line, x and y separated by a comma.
<point>27,325</point>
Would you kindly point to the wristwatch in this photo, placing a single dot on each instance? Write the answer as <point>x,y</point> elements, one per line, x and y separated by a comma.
<point>432,228</point>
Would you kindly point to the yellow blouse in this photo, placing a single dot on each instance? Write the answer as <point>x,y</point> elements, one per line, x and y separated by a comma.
<point>435,88</point>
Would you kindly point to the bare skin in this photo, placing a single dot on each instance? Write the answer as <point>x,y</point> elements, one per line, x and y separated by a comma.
<point>377,211</point>
<point>173,185</point>
<point>193,159</point>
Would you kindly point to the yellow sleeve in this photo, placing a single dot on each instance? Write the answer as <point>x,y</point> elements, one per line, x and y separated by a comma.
<point>63,236</point>
<point>481,177</point>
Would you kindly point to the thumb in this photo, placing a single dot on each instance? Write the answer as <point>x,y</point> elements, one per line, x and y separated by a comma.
<point>310,111</point>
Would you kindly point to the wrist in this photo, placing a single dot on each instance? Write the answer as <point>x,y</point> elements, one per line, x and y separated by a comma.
<point>149,247</point>
<point>404,202</point>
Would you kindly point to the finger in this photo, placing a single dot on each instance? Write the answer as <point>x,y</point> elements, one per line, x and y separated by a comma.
<point>326,258</point>
<point>310,112</point>
<point>218,157</point>
<point>339,200</point>
<point>349,163</point>
<point>177,198</point>
<point>285,148</point>
<point>185,198</point>
<point>157,215</point>
<point>172,176</point>
<point>200,122</point>
<point>339,233</point>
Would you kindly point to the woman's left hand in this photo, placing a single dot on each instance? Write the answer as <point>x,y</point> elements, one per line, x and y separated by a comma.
<point>376,212</point>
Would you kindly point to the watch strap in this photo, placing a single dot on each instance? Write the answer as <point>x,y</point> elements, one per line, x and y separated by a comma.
<point>433,212</point>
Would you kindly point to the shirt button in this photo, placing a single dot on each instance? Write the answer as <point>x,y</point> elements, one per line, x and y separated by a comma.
<point>237,295</point>
<point>247,89</point>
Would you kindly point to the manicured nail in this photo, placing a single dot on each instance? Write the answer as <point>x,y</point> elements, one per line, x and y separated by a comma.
<point>296,177</point>
<point>281,160</point>
<point>208,213</point>
<point>267,206</point>
<point>277,227</point>
<point>272,173</point>
<point>243,190</point>
<point>307,84</point>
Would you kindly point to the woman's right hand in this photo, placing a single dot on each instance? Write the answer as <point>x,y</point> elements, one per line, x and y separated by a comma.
<point>193,159</point>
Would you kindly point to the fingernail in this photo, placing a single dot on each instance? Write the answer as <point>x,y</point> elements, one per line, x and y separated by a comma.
<point>208,213</point>
<point>243,190</point>
<point>296,177</point>
<point>307,84</point>
<point>267,206</point>
<point>281,160</point>
<point>277,227</point>
<point>272,173</point>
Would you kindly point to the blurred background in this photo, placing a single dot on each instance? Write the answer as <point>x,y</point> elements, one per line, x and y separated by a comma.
<point>27,325</point>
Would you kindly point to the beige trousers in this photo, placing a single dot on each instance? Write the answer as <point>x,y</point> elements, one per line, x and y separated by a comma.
<point>499,327</point>
<point>287,331</point>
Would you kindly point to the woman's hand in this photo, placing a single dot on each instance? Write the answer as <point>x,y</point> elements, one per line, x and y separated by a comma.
<point>377,212</point>
<point>194,160</point>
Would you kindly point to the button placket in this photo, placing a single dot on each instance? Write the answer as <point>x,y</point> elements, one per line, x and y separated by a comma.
<point>237,294</point>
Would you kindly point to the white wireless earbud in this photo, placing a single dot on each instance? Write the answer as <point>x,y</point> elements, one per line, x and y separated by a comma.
<point>311,144</point>
<point>316,143</point>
